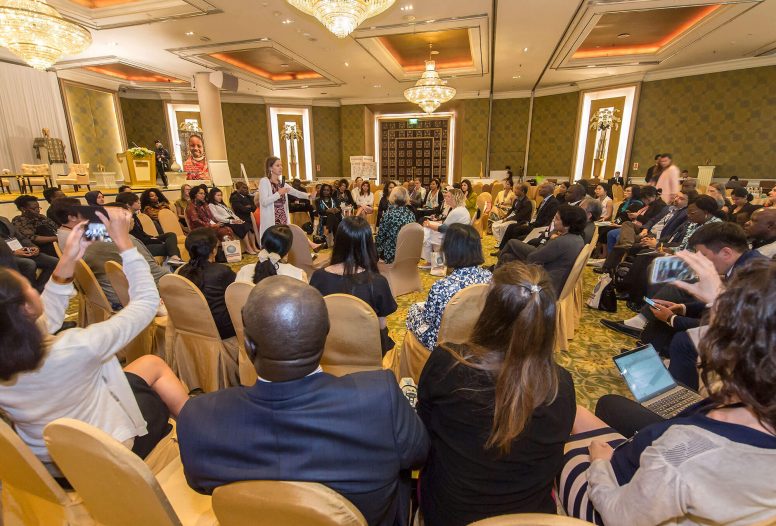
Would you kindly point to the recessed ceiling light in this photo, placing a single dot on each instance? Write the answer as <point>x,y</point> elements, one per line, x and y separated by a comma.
<point>284,65</point>
<point>287,21</point>
<point>431,21</point>
<point>189,33</point>
<point>377,86</point>
<point>624,35</point>
<point>434,52</point>
<point>264,39</point>
<point>590,66</point>
<point>516,76</point>
<point>525,50</point>
<point>347,64</point>
<point>304,87</point>
<point>407,7</point>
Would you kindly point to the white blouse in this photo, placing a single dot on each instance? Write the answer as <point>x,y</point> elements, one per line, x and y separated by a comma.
<point>363,200</point>
<point>245,274</point>
<point>222,213</point>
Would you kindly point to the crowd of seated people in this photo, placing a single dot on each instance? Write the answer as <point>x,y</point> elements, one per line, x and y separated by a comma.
<point>497,429</point>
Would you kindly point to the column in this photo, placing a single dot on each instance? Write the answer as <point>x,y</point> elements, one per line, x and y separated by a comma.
<point>209,98</point>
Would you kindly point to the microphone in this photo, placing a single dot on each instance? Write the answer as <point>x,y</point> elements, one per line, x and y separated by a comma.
<point>282,181</point>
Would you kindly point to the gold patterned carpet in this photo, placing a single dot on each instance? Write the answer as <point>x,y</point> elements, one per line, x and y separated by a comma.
<point>589,358</point>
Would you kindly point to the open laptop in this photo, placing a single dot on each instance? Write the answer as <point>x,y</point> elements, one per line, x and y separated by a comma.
<point>651,383</point>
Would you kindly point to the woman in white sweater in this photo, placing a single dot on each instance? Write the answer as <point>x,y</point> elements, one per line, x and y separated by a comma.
<point>365,200</point>
<point>271,197</point>
<point>226,216</point>
<point>434,231</point>
<point>75,374</point>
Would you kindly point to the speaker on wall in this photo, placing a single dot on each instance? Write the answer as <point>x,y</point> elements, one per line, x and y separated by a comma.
<point>224,81</point>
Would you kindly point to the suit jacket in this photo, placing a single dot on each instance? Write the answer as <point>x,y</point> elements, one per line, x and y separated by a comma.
<point>7,229</point>
<point>521,210</point>
<point>674,224</point>
<point>353,433</point>
<point>557,256</point>
<point>546,212</point>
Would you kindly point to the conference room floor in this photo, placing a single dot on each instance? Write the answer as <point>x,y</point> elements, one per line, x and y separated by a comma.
<point>589,358</point>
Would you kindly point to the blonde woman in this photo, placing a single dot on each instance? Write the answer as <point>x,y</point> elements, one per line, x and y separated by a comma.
<point>434,231</point>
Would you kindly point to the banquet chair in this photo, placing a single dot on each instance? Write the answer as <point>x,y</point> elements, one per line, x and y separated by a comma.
<point>461,313</point>
<point>533,192</point>
<point>497,187</point>
<point>353,342</point>
<point>481,224</point>
<point>403,275</point>
<point>30,495</point>
<point>77,176</point>
<point>618,193</point>
<point>96,306</point>
<point>299,255</point>
<point>536,232</point>
<point>579,292</point>
<point>487,188</point>
<point>147,223</point>
<point>36,175</point>
<point>236,297</point>
<point>566,319</point>
<point>477,188</point>
<point>198,353</point>
<point>530,519</point>
<point>168,220</point>
<point>283,503</point>
<point>117,487</point>
<point>150,340</point>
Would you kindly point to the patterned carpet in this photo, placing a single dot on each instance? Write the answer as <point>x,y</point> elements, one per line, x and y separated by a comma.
<point>589,358</point>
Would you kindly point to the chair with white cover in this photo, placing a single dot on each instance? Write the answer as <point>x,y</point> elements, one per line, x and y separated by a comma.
<point>579,289</point>
<point>198,353</point>
<point>77,176</point>
<point>36,175</point>
<point>283,503</point>
<point>30,495</point>
<point>117,487</point>
<point>566,321</point>
<point>299,255</point>
<point>147,223</point>
<point>168,220</point>
<point>531,519</point>
<point>458,319</point>
<point>353,343</point>
<point>236,297</point>
<point>403,275</point>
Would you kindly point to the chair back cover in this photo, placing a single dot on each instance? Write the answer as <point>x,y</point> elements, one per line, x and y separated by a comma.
<point>117,487</point>
<point>281,503</point>
<point>403,275</point>
<point>147,223</point>
<point>97,307</point>
<point>236,296</point>
<point>118,281</point>
<point>353,343</point>
<point>576,272</point>
<point>531,519</point>
<point>461,314</point>
<point>169,222</point>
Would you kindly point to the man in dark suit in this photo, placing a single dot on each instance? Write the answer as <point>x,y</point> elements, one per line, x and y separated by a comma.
<point>356,434</point>
<point>545,213</point>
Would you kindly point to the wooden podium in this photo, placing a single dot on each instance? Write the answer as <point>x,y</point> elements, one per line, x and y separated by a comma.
<point>139,172</point>
<point>705,175</point>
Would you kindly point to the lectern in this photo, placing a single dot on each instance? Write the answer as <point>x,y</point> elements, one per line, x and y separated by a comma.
<point>139,171</point>
<point>705,175</point>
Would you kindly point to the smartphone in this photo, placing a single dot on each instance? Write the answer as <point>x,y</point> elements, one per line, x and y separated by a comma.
<point>650,302</point>
<point>95,230</point>
<point>671,268</point>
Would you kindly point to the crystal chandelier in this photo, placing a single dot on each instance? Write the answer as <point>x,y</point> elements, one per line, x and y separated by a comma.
<point>342,17</point>
<point>37,33</point>
<point>429,91</point>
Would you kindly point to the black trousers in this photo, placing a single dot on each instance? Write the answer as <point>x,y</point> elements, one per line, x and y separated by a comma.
<point>166,247</point>
<point>154,412</point>
<point>28,267</point>
<point>656,332</point>
<point>515,231</point>
<point>684,360</point>
<point>624,415</point>
<point>160,172</point>
<point>638,277</point>
<point>303,207</point>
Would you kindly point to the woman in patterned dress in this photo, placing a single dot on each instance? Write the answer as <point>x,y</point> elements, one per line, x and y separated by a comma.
<point>271,197</point>
<point>397,215</point>
<point>462,249</point>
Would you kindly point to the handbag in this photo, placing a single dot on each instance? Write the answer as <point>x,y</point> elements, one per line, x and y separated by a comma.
<point>438,267</point>
<point>621,277</point>
<point>232,251</point>
<point>604,296</point>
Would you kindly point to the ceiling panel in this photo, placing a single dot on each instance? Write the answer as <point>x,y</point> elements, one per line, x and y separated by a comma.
<point>131,73</point>
<point>452,49</point>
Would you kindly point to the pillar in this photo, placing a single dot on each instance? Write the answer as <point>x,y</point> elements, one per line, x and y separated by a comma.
<point>209,98</point>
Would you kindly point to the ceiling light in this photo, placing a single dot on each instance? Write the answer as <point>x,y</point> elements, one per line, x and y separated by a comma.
<point>407,7</point>
<point>347,64</point>
<point>624,35</point>
<point>430,91</point>
<point>377,86</point>
<point>284,65</point>
<point>287,21</point>
<point>189,33</point>
<point>342,17</point>
<point>431,21</point>
<point>264,39</point>
<point>37,33</point>
<point>304,87</point>
<point>516,76</point>
<point>525,50</point>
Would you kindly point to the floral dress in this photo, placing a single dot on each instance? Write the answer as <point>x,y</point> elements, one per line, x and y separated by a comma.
<point>280,207</point>
<point>423,319</point>
<point>388,233</point>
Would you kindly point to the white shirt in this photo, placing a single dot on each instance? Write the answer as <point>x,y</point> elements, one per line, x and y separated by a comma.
<point>245,274</point>
<point>80,376</point>
<point>363,200</point>
<point>222,213</point>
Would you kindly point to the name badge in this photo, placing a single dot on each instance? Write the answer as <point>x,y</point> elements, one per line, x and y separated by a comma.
<point>13,244</point>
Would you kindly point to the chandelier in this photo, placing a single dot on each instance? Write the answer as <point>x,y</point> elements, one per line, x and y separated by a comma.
<point>429,91</point>
<point>37,33</point>
<point>342,17</point>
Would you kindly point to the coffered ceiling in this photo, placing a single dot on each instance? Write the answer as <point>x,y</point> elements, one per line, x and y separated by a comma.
<point>277,51</point>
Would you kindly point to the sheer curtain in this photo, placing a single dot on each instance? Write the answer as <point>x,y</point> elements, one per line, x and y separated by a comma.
<point>29,101</point>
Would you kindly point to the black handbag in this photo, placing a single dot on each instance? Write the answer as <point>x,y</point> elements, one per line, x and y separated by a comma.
<point>621,275</point>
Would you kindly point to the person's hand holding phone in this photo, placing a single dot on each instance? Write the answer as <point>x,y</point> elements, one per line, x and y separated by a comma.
<point>74,249</point>
<point>709,284</point>
<point>661,312</point>
<point>676,308</point>
<point>117,223</point>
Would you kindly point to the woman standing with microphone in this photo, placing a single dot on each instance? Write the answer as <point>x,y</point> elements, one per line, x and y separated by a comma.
<point>271,197</point>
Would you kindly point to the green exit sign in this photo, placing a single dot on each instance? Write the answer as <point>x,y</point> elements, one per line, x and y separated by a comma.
<point>412,122</point>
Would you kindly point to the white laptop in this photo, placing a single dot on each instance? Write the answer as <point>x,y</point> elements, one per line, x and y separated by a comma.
<point>651,383</point>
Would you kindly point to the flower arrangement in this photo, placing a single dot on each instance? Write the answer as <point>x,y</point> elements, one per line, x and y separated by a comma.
<point>605,119</point>
<point>140,152</point>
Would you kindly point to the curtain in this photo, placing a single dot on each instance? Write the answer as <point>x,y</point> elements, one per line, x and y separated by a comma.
<point>29,101</point>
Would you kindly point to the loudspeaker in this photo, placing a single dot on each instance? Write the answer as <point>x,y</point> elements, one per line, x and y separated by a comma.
<point>224,81</point>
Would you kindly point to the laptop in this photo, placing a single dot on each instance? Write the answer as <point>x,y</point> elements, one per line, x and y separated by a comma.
<point>651,383</point>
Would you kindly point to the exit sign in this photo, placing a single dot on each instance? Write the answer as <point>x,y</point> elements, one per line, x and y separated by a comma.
<point>412,123</point>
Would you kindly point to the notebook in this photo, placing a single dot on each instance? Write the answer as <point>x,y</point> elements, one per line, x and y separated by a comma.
<point>651,383</point>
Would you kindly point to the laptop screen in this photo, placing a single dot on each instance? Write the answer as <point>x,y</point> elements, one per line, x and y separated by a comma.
<point>644,372</point>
